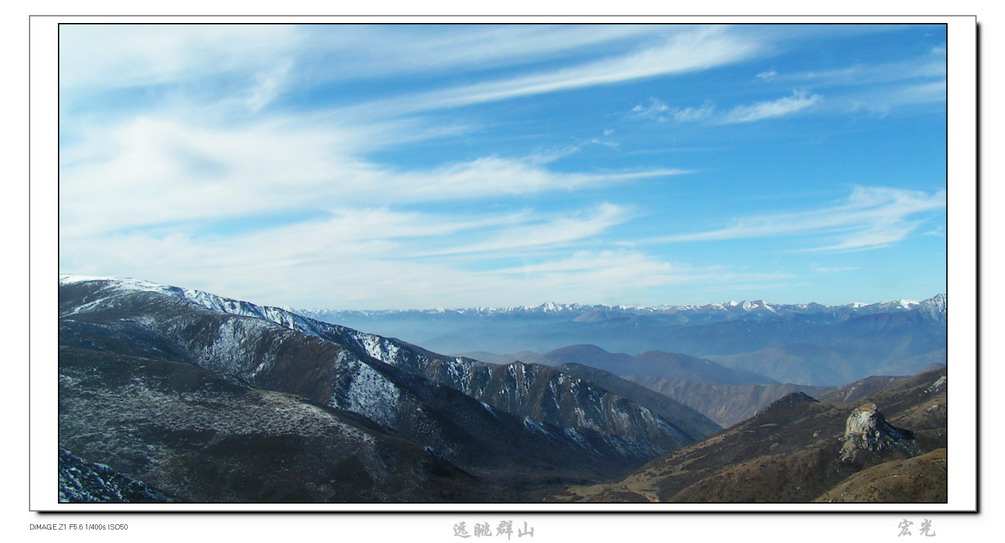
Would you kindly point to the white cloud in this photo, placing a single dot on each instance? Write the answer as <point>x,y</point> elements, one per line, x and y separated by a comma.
<point>880,87</point>
<point>210,59</point>
<point>268,84</point>
<point>153,171</point>
<point>684,52</point>
<point>882,100</point>
<point>770,109</point>
<point>872,217</point>
<point>660,112</point>
<point>544,234</point>
<point>370,50</point>
<point>605,143</point>
<point>290,275</point>
<point>143,196</point>
<point>352,255</point>
<point>927,66</point>
<point>101,57</point>
<point>626,273</point>
<point>694,114</point>
<point>921,93</point>
<point>365,259</point>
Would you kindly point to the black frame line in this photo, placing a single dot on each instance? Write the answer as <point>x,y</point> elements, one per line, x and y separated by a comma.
<point>515,20</point>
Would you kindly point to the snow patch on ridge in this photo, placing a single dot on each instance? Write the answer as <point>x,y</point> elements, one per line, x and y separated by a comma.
<point>369,394</point>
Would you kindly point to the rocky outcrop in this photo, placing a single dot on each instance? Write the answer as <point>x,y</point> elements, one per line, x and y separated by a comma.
<point>867,431</point>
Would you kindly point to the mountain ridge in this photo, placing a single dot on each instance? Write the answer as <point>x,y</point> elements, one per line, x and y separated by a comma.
<point>368,374</point>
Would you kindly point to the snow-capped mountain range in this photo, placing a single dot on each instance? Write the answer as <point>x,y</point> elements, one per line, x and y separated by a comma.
<point>936,305</point>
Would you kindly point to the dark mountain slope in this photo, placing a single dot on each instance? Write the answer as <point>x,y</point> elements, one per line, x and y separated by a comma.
<point>690,420</point>
<point>546,394</point>
<point>267,355</point>
<point>390,382</point>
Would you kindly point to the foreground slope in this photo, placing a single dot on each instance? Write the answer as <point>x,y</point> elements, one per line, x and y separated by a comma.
<point>199,436</point>
<point>797,450</point>
<point>921,479</point>
<point>82,481</point>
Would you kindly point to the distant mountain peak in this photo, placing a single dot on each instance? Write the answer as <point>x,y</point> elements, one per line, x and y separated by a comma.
<point>581,348</point>
<point>793,399</point>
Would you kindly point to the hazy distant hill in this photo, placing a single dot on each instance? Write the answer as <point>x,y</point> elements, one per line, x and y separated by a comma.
<point>725,404</point>
<point>652,363</point>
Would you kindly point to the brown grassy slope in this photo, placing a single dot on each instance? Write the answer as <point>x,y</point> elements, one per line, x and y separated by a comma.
<point>922,479</point>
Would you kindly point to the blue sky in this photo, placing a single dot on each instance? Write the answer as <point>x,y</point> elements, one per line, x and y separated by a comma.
<point>414,166</point>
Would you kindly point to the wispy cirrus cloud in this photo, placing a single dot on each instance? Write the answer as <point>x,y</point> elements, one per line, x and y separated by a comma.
<point>928,66</point>
<point>709,114</point>
<point>371,50</point>
<point>769,109</point>
<point>660,112</point>
<point>547,233</point>
<point>686,51</point>
<point>870,218</point>
<point>884,99</point>
<point>877,87</point>
<point>103,57</point>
